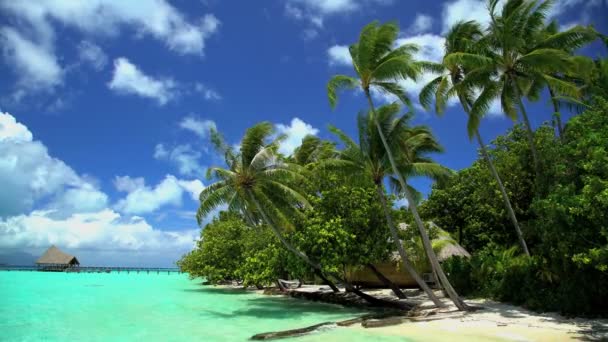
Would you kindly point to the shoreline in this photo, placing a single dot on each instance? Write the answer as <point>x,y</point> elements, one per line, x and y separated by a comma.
<point>492,321</point>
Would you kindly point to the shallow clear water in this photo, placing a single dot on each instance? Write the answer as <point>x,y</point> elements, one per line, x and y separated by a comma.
<point>38,306</point>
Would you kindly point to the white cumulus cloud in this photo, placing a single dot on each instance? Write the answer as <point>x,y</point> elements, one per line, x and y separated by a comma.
<point>101,230</point>
<point>145,199</point>
<point>198,126</point>
<point>339,55</point>
<point>295,132</point>
<point>155,18</point>
<point>29,48</point>
<point>28,174</point>
<point>464,10</point>
<point>184,157</point>
<point>11,130</point>
<point>44,201</point>
<point>129,79</point>
<point>193,187</point>
<point>34,63</point>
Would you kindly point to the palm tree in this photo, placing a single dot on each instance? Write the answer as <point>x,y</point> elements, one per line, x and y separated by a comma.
<point>315,154</point>
<point>368,160</point>
<point>312,150</point>
<point>569,41</point>
<point>378,66</point>
<point>513,62</point>
<point>258,184</point>
<point>464,37</point>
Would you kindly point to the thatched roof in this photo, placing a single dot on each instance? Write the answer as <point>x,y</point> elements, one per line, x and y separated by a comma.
<point>450,249</point>
<point>447,246</point>
<point>55,256</point>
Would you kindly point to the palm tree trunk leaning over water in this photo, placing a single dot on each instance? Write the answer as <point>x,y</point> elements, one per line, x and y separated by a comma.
<point>426,242</point>
<point>404,259</point>
<point>316,267</point>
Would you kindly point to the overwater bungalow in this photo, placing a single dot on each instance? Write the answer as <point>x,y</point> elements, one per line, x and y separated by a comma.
<point>54,260</point>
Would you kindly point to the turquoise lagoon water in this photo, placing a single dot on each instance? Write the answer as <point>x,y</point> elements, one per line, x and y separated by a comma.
<point>38,306</point>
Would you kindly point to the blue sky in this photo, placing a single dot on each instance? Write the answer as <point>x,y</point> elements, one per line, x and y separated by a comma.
<point>105,106</point>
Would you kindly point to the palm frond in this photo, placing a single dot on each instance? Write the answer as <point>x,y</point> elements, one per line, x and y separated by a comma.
<point>481,106</point>
<point>254,140</point>
<point>395,89</point>
<point>562,87</point>
<point>212,200</point>
<point>469,60</point>
<point>403,50</point>
<point>428,92</point>
<point>544,60</point>
<point>366,45</point>
<point>571,39</point>
<point>399,67</point>
<point>339,82</point>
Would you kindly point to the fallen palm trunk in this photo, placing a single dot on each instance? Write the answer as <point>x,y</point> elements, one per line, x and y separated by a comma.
<point>313,328</point>
<point>350,299</point>
<point>290,333</point>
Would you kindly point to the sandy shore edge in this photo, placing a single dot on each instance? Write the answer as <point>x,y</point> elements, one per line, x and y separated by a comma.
<point>495,321</point>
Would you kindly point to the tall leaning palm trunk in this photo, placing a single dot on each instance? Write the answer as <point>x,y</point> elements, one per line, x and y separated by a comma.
<point>503,192</point>
<point>464,37</point>
<point>405,260</point>
<point>368,160</point>
<point>426,241</point>
<point>377,65</point>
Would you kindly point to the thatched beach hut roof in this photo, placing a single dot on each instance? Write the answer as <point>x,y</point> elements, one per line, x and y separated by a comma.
<point>445,246</point>
<point>450,249</point>
<point>54,256</point>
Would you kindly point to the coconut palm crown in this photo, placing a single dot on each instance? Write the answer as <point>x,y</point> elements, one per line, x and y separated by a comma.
<point>256,170</point>
<point>464,36</point>
<point>514,61</point>
<point>378,64</point>
<point>260,184</point>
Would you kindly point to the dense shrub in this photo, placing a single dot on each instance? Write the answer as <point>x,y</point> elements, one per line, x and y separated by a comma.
<point>219,252</point>
<point>566,222</point>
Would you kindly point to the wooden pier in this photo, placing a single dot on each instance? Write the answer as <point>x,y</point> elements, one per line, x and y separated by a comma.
<point>94,269</point>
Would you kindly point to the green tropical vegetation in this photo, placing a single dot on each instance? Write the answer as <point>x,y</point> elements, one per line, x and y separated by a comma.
<point>531,210</point>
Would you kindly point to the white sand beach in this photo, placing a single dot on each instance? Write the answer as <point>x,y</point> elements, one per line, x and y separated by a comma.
<point>492,321</point>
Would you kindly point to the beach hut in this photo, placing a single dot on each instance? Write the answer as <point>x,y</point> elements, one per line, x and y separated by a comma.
<point>444,246</point>
<point>56,260</point>
<point>449,249</point>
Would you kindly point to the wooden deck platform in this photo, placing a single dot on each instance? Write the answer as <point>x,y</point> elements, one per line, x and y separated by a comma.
<point>94,269</point>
